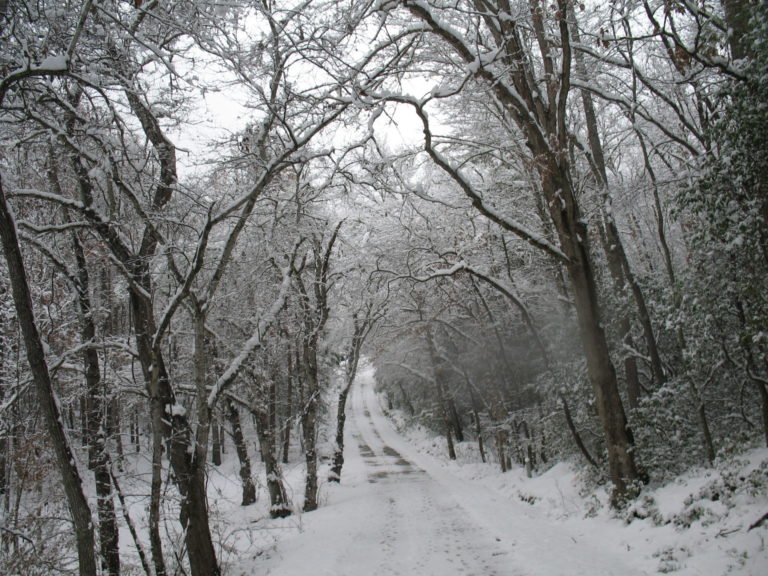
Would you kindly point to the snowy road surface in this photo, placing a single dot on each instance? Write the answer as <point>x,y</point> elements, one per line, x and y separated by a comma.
<point>399,512</point>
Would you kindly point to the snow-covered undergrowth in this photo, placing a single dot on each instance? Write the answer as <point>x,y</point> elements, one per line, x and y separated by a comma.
<point>696,525</point>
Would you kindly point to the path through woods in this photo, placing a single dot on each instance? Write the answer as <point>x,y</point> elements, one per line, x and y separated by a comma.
<point>399,512</point>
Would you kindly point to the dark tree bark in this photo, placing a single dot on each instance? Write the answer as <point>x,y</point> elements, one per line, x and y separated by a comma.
<point>194,504</point>
<point>341,418</point>
<point>575,433</point>
<point>288,419</point>
<point>315,315</point>
<point>361,329</point>
<point>98,457</point>
<point>737,14</point>
<point>238,439</point>
<point>309,433</point>
<point>280,506</point>
<point>216,444</point>
<point>65,459</point>
<point>455,418</point>
<point>618,263</point>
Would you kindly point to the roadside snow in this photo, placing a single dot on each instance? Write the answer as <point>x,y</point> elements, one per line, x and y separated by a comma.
<point>403,510</point>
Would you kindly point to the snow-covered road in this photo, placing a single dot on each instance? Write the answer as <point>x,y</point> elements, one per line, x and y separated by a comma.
<point>400,512</point>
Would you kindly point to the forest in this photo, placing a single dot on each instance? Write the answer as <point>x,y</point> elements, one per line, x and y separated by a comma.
<point>543,222</point>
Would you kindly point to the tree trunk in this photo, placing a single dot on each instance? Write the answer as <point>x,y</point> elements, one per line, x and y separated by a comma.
<point>95,418</point>
<point>476,419</point>
<point>763,391</point>
<point>135,432</point>
<point>288,420</point>
<point>309,422</point>
<point>439,374</point>
<point>574,238</point>
<point>171,424</point>
<point>338,452</point>
<point>575,433</point>
<point>456,424</point>
<point>502,443</point>
<point>309,430</point>
<point>216,444</point>
<point>155,490</point>
<point>752,372</point>
<point>65,459</point>
<point>194,503</point>
<point>278,497</point>
<point>701,412</point>
<point>359,334</point>
<point>4,444</point>
<point>249,488</point>
<point>618,438</point>
<point>737,13</point>
<point>131,527</point>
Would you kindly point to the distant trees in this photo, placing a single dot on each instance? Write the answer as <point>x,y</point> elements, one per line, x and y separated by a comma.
<point>598,190</point>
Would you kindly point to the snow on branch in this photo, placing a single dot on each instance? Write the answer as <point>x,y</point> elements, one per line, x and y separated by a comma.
<point>410,370</point>
<point>254,342</point>
<point>499,285</point>
<point>466,186</point>
<point>51,66</point>
<point>183,291</point>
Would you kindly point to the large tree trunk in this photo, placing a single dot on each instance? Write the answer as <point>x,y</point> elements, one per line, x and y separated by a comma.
<point>574,238</point>
<point>610,409</point>
<point>618,263</point>
<point>338,451</point>
<point>65,459</point>
<point>309,431</point>
<point>280,506</point>
<point>170,423</point>
<point>194,504</point>
<point>238,439</point>
<point>288,419</point>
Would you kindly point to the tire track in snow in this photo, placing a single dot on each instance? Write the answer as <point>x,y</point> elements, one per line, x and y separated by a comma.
<point>427,532</point>
<point>401,513</point>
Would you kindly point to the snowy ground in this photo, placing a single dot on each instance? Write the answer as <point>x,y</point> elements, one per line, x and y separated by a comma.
<point>403,511</point>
